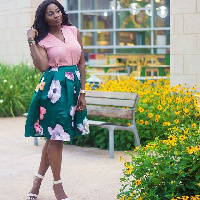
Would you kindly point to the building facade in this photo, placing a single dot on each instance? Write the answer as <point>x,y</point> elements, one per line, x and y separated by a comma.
<point>185,43</point>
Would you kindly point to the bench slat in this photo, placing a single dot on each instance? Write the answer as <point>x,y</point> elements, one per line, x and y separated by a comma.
<point>114,95</point>
<point>109,112</point>
<point>113,102</point>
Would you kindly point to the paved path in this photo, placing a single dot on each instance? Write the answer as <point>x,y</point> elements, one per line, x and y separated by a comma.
<point>87,173</point>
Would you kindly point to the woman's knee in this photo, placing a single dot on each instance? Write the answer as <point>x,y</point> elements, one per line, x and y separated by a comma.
<point>55,144</point>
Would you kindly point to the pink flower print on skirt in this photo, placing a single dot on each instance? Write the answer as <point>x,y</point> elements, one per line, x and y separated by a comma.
<point>54,93</point>
<point>42,112</point>
<point>38,128</point>
<point>69,75</point>
<point>78,75</point>
<point>58,133</point>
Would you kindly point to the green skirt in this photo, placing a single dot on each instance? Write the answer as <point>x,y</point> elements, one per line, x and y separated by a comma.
<point>52,113</point>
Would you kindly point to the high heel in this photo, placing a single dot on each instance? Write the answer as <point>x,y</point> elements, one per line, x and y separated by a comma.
<point>31,196</point>
<point>57,182</point>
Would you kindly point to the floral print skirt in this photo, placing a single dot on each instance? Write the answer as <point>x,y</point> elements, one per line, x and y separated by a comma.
<point>52,113</point>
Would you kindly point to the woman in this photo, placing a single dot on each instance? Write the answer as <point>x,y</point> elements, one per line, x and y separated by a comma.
<point>58,108</point>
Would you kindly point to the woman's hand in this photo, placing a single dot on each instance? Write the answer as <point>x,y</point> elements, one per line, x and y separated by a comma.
<point>31,33</point>
<point>81,103</point>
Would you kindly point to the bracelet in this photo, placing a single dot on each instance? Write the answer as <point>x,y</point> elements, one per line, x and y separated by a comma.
<point>30,39</point>
<point>82,91</point>
<point>31,43</point>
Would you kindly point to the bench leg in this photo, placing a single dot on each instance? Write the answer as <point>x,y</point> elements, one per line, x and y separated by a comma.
<point>136,136</point>
<point>111,141</point>
<point>35,141</point>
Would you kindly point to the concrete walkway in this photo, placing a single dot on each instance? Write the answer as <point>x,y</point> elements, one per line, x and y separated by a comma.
<point>87,173</point>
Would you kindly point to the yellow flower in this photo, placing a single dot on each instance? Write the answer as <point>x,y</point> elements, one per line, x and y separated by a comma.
<point>129,124</point>
<point>120,158</point>
<point>172,182</point>
<point>140,198</point>
<point>190,149</point>
<point>176,121</point>
<point>168,123</point>
<point>185,197</point>
<point>194,125</point>
<point>129,169</point>
<point>172,139</point>
<point>197,148</point>
<point>146,123</point>
<point>156,120</point>
<point>141,121</point>
<point>144,100</point>
<point>133,194</point>
<point>182,137</point>
<point>177,112</point>
<point>125,163</point>
<point>145,194</point>
<point>186,110</point>
<point>198,184</point>
<point>165,123</point>
<point>163,102</point>
<point>159,107</point>
<point>150,115</point>
<point>136,149</point>
<point>123,197</point>
<point>180,172</point>
<point>157,116</point>
<point>138,182</point>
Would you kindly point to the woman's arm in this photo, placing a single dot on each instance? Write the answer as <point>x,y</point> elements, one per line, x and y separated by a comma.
<point>81,64</point>
<point>39,55</point>
<point>81,67</point>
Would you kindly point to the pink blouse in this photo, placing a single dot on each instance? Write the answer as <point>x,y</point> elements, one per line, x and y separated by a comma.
<point>62,53</point>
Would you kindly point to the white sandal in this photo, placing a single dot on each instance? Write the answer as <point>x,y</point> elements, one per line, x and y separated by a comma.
<point>32,196</point>
<point>57,182</point>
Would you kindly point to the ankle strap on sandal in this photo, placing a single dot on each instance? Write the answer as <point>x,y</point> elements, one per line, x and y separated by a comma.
<point>57,182</point>
<point>39,176</point>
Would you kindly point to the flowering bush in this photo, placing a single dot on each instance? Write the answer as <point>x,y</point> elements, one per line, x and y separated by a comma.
<point>165,169</point>
<point>160,107</point>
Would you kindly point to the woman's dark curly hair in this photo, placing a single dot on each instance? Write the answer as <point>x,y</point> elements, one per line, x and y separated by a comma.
<point>41,25</point>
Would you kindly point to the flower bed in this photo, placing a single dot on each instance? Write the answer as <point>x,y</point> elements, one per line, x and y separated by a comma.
<point>165,169</point>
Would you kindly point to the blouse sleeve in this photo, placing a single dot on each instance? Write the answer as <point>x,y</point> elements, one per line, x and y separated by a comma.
<point>74,30</point>
<point>41,43</point>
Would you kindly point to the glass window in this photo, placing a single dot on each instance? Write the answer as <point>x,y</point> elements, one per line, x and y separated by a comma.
<point>104,38</point>
<point>72,4</point>
<point>162,13</point>
<point>94,38</point>
<point>133,4</point>
<point>95,4</point>
<point>162,37</point>
<point>73,18</point>
<point>130,38</point>
<point>88,38</point>
<point>134,51</point>
<point>87,52</point>
<point>125,19</point>
<point>97,20</point>
<point>105,50</point>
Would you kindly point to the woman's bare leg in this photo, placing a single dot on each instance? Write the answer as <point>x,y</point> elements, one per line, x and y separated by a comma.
<point>55,158</point>
<point>44,165</point>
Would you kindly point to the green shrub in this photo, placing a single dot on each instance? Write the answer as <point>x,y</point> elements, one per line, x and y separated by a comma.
<point>165,169</point>
<point>17,84</point>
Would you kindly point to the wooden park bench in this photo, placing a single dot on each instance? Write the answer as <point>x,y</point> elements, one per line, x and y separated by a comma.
<point>119,105</point>
<point>115,105</point>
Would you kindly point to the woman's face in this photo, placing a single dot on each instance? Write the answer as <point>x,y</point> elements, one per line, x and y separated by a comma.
<point>53,15</point>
